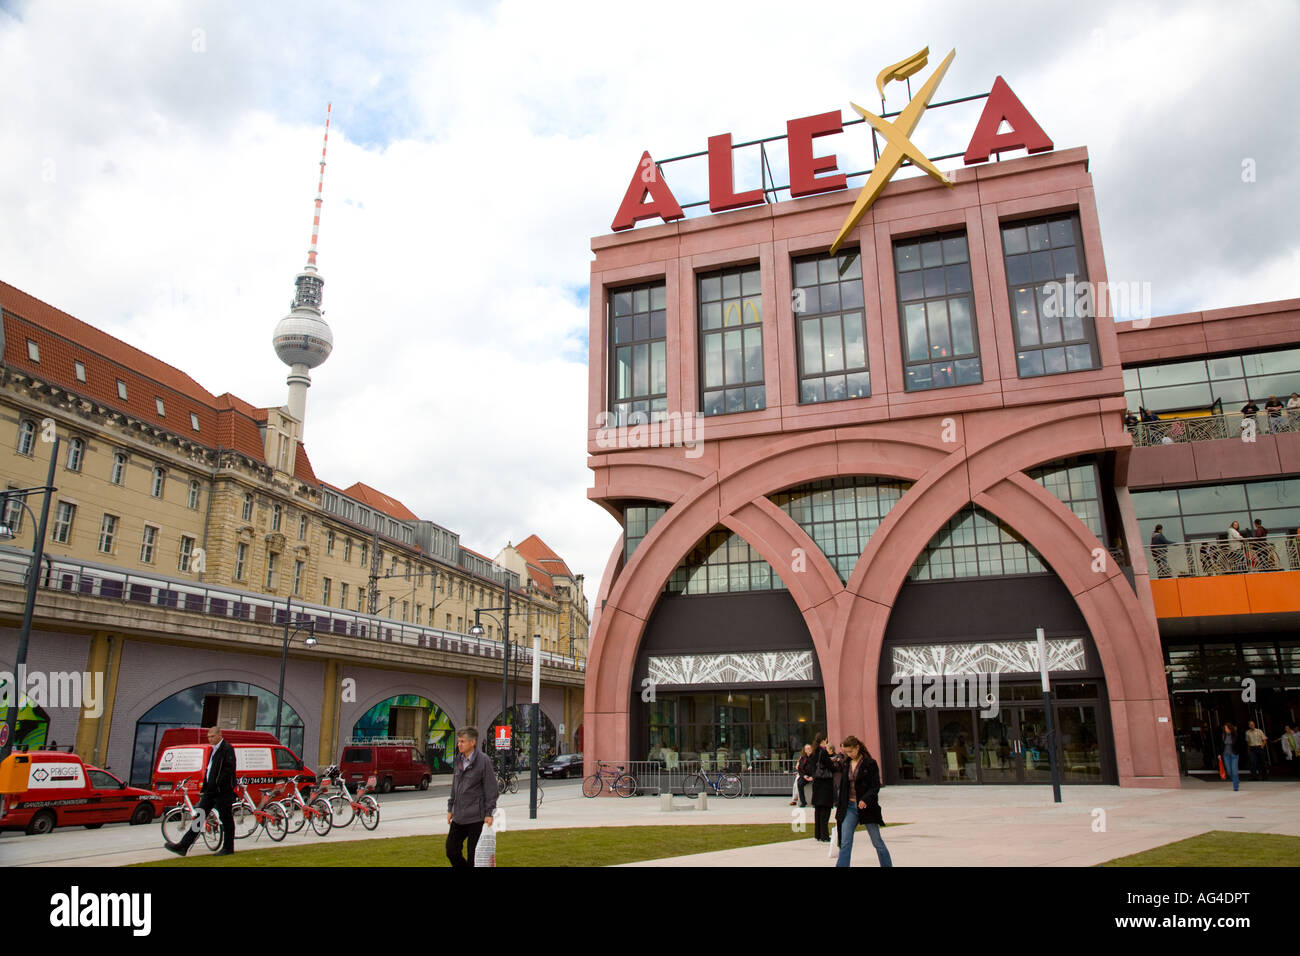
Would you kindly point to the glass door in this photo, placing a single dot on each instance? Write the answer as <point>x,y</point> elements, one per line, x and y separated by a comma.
<point>912,733</point>
<point>958,751</point>
<point>1035,761</point>
<point>999,760</point>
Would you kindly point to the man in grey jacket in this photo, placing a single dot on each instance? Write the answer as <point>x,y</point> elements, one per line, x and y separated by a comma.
<point>473,797</point>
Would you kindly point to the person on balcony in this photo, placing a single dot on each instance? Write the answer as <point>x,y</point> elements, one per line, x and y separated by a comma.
<point>1292,411</point>
<point>1160,551</point>
<point>1237,542</point>
<point>1248,412</point>
<point>1274,409</point>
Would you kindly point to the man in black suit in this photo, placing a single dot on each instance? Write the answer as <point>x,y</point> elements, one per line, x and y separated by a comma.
<point>219,792</point>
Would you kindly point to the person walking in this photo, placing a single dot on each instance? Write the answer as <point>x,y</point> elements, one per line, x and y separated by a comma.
<point>473,799</point>
<point>1290,744</point>
<point>823,788</point>
<point>801,778</point>
<point>218,793</point>
<point>858,801</point>
<point>1258,744</point>
<point>1160,551</point>
<point>1231,752</point>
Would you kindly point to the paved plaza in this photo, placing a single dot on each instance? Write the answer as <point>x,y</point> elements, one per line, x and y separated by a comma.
<point>946,826</point>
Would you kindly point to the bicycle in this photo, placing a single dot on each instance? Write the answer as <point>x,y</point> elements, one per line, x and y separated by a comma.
<point>180,818</point>
<point>362,805</point>
<point>620,781</point>
<point>270,816</point>
<point>314,807</point>
<point>507,780</point>
<point>726,783</point>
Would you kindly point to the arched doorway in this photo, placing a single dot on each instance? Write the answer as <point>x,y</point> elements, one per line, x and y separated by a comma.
<point>412,717</point>
<point>233,705</point>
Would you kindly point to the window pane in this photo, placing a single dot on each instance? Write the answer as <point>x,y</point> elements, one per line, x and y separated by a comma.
<point>851,295</point>
<point>812,345</point>
<point>832,347</point>
<point>658,368</point>
<point>733,358</point>
<point>918,346</point>
<point>1014,241</point>
<point>855,355</point>
<point>712,361</point>
<point>954,249</point>
<point>812,390</point>
<point>907,257</point>
<point>623,373</point>
<point>1018,269</point>
<point>1029,363</point>
<point>1026,316</point>
<point>805,274</point>
<point>937,313</point>
<point>753,355</point>
<point>640,369</point>
<point>910,286</point>
<point>963,339</point>
<point>958,278</point>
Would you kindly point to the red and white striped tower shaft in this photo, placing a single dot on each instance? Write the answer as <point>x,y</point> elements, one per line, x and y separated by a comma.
<point>320,189</point>
<point>303,340</point>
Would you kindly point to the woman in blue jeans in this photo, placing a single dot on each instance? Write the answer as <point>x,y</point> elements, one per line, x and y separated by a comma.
<point>1231,752</point>
<point>859,802</point>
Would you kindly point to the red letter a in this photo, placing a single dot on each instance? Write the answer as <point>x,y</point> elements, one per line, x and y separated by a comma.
<point>646,179</point>
<point>1001,105</point>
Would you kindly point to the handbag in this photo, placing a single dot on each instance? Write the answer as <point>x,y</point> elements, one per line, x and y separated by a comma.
<point>1223,773</point>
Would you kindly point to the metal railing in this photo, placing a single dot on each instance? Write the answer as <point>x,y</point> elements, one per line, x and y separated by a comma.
<point>758,778</point>
<point>1211,557</point>
<point>90,579</point>
<point>1173,431</point>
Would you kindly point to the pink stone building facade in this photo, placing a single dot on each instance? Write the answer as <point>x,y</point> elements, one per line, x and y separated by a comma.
<point>830,492</point>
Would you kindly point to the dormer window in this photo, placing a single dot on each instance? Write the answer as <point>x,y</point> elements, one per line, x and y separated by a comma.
<point>80,369</point>
<point>33,352</point>
<point>121,389</point>
<point>162,411</point>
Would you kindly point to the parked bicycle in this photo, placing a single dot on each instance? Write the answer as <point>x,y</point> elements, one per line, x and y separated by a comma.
<point>269,815</point>
<point>182,817</point>
<point>617,779</point>
<point>344,807</point>
<point>314,808</point>
<point>724,782</point>
<point>507,780</point>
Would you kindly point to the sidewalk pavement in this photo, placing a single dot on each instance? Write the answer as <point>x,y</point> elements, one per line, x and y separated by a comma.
<point>946,826</point>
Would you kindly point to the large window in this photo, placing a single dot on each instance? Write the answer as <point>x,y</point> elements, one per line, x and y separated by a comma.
<point>26,436</point>
<point>119,468</point>
<point>1076,484</point>
<point>76,452</point>
<point>940,344</point>
<point>1206,512</point>
<point>637,522</point>
<point>841,514</point>
<point>975,544</point>
<point>1053,323</point>
<point>108,534</point>
<point>63,517</point>
<point>241,559</point>
<point>733,726</point>
<point>723,562</point>
<point>731,341</point>
<point>638,350</point>
<point>1196,384</point>
<point>148,542</point>
<point>832,343</point>
<point>186,553</point>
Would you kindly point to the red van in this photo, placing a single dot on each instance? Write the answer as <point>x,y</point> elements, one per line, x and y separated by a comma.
<point>42,790</point>
<point>259,757</point>
<point>393,765</point>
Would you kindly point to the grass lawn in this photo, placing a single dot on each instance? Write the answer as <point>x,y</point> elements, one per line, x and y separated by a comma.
<point>590,846</point>
<point>1220,848</point>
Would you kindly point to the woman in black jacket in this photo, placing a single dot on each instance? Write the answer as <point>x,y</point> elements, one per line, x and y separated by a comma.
<point>859,802</point>
<point>822,771</point>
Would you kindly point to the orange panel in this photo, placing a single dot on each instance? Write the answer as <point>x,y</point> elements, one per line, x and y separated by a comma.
<point>1279,591</point>
<point>1206,597</point>
<point>1165,595</point>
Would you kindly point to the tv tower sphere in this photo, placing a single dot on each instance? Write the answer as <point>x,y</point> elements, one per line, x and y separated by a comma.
<point>302,337</point>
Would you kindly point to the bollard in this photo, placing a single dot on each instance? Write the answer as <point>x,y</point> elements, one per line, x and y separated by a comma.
<point>665,801</point>
<point>702,801</point>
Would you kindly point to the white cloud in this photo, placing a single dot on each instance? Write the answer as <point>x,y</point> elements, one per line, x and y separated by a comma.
<point>165,194</point>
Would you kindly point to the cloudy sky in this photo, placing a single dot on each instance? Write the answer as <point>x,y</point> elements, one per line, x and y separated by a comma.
<point>158,165</point>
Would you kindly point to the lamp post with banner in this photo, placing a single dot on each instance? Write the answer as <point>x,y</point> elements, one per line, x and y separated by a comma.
<point>1051,723</point>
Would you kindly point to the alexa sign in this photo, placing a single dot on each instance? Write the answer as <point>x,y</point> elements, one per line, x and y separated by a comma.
<point>648,195</point>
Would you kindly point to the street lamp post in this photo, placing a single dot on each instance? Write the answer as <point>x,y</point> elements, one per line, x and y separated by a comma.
<point>1051,725</point>
<point>535,729</point>
<point>310,627</point>
<point>477,631</point>
<point>29,608</point>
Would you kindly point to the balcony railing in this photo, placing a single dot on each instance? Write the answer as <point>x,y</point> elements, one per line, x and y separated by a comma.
<point>1208,558</point>
<point>1174,431</point>
<point>105,581</point>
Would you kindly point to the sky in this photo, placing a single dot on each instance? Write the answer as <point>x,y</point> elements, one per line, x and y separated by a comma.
<point>158,163</point>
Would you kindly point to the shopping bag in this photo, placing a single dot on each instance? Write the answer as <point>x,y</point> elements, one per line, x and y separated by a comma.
<point>485,853</point>
<point>1223,772</point>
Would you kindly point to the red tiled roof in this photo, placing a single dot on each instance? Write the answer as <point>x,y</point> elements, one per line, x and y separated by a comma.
<point>380,502</point>
<point>538,552</point>
<point>302,469</point>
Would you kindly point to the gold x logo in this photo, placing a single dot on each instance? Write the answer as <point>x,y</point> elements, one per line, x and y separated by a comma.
<point>897,145</point>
